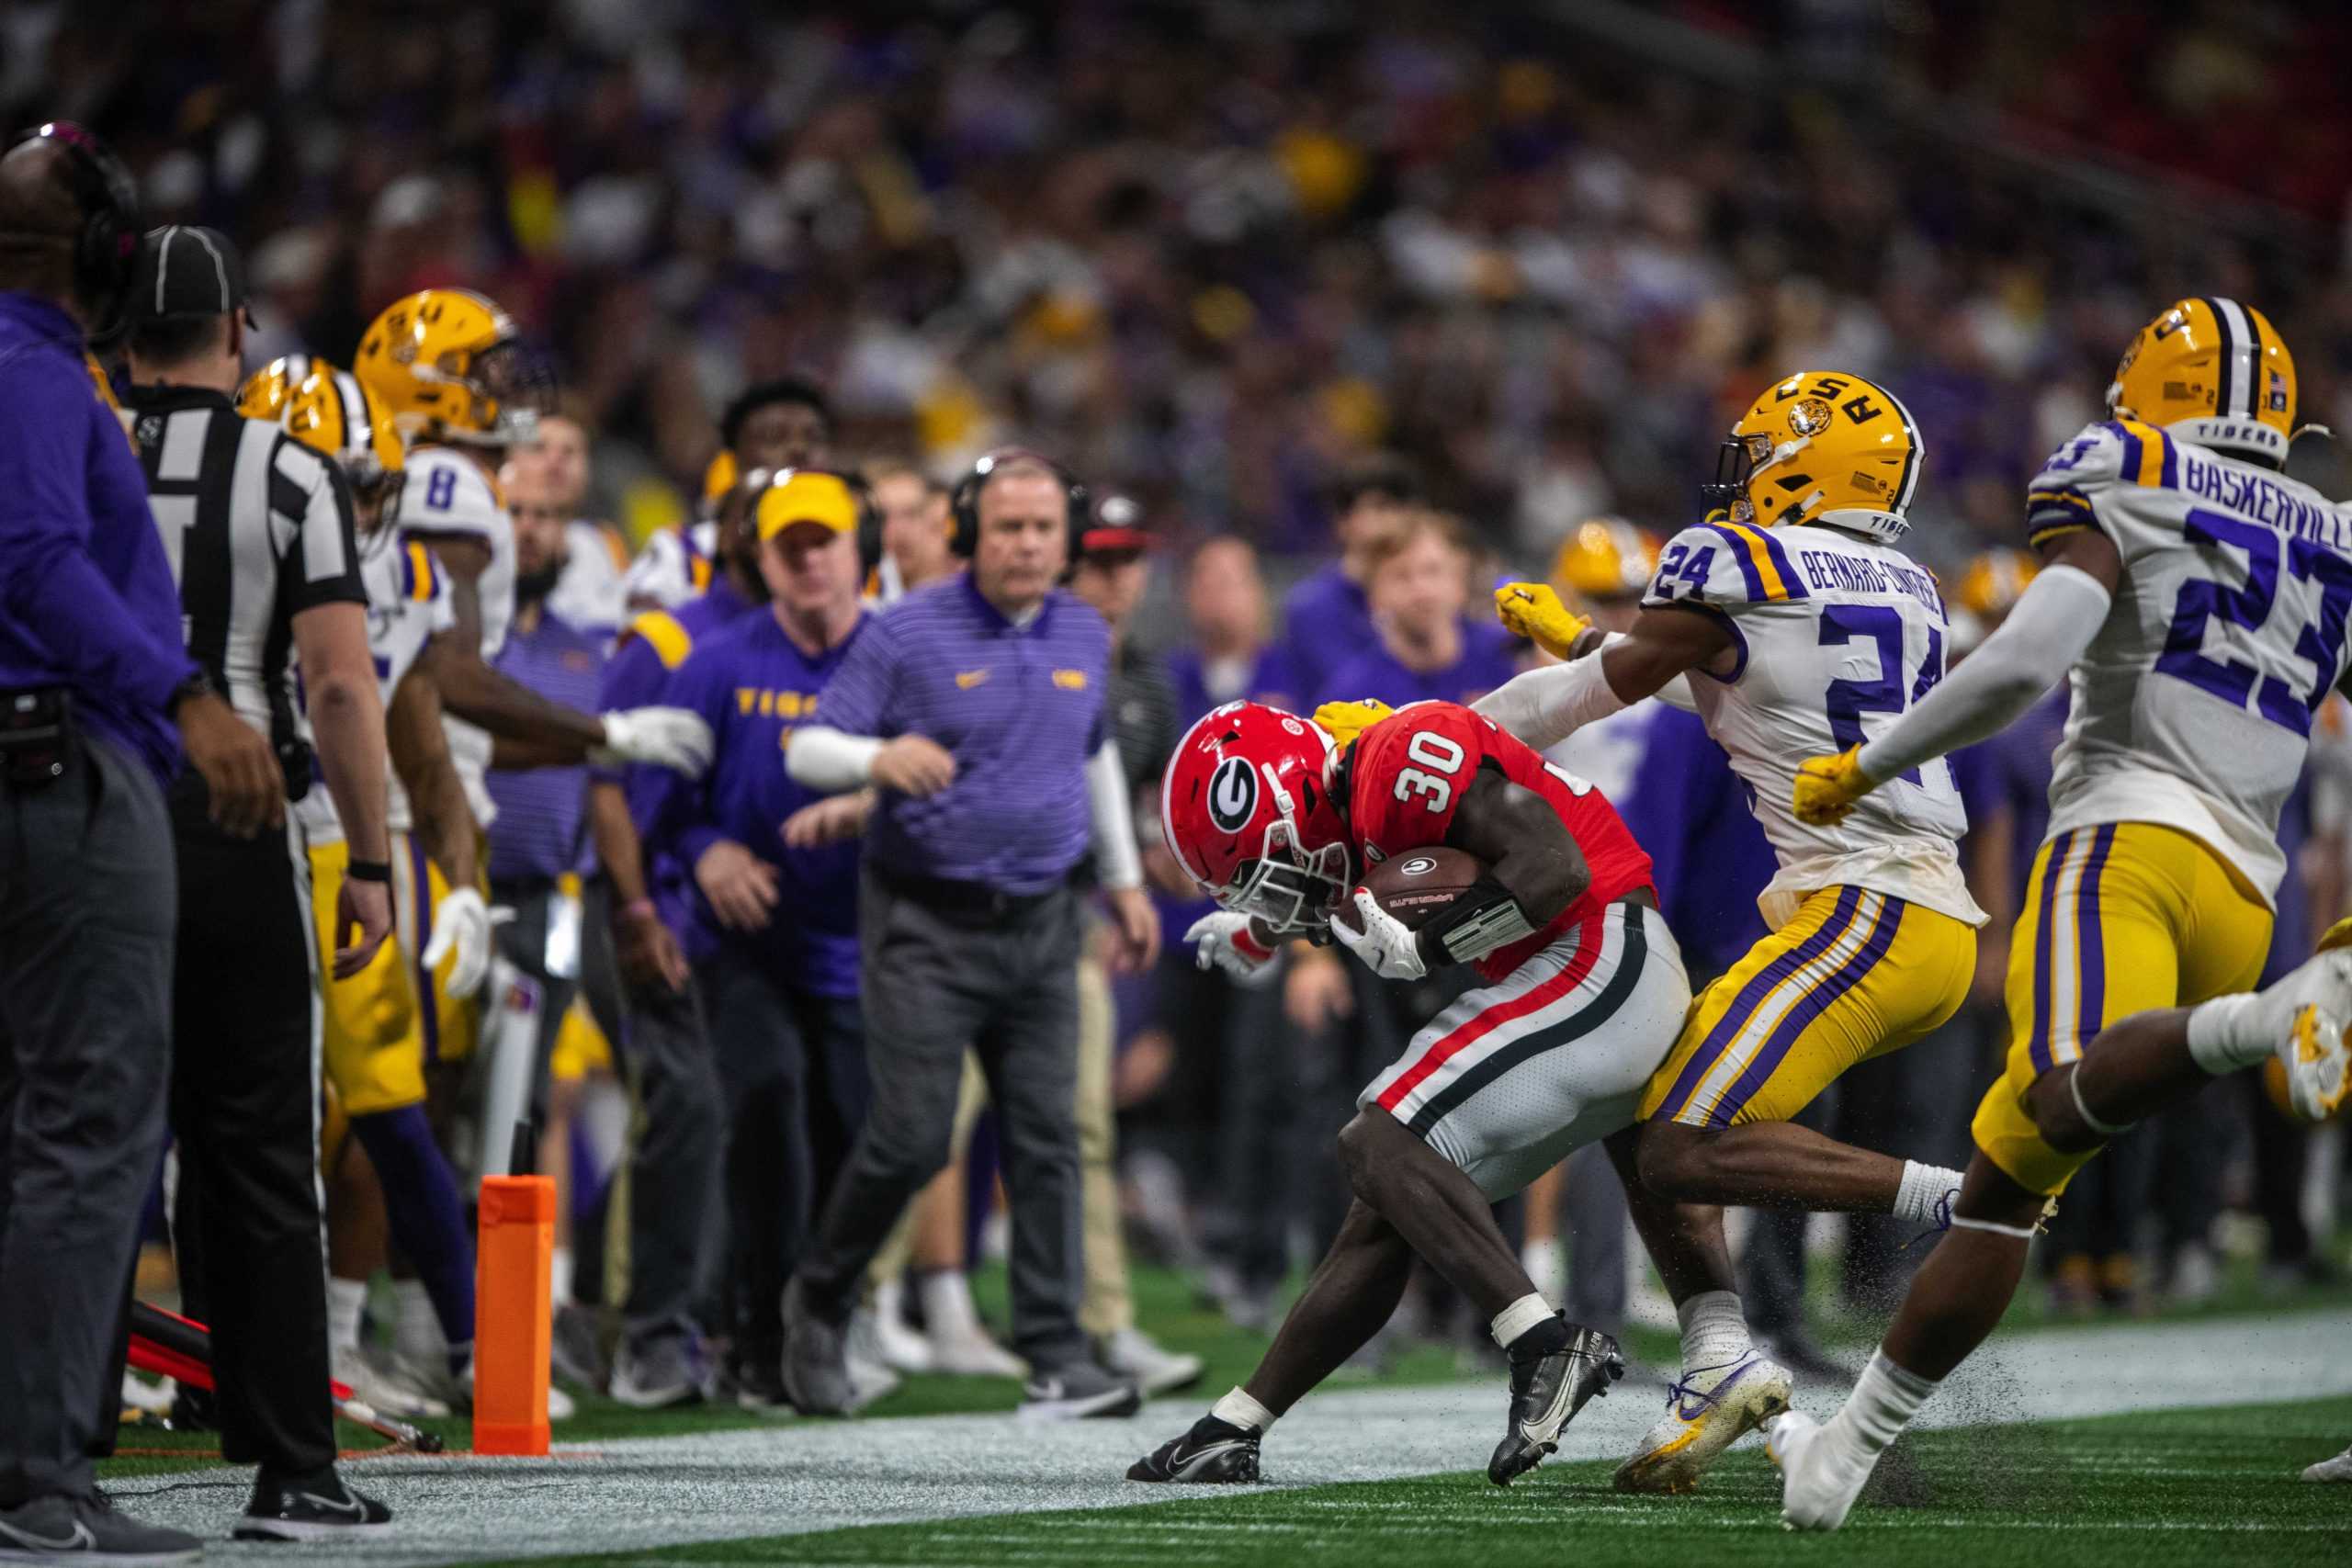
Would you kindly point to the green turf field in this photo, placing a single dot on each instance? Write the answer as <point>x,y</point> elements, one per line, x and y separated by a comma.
<point>2190,1487</point>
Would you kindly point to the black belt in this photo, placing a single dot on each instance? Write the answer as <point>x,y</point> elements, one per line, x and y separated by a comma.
<point>976,901</point>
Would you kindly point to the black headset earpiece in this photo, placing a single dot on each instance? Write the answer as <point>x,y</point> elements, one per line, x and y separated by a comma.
<point>105,251</point>
<point>963,500</point>
<point>869,516</point>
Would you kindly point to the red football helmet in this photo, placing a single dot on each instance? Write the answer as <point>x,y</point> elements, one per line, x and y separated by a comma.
<point>1247,812</point>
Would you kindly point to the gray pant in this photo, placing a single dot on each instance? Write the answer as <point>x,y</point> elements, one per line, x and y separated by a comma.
<point>88,898</point>
<point>933,984</point>
<point>675,1142</point>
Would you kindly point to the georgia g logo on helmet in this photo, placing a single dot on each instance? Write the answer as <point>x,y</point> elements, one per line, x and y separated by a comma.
<point>1233,793</point>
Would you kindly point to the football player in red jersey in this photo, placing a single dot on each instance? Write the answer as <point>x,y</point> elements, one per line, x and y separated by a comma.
<point>1584,993</point>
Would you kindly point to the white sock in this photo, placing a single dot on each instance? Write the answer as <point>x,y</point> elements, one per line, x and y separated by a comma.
<point>1714,1331</point>
<point>346,1301</point>
<point>416,1331</point>
<point>947,1303</point>
<point>1923,1190</point>
<point>2232,1032</point>
<point>890,1301</point>
<point>1875,1415</point>
<point>1518,1317</point>
<point>1238,1409</point>
<point>560,1277</point>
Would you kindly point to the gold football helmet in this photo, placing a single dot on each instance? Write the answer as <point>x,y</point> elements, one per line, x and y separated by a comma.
<point>450,367</point>
<point>330,412</point>
<point>1821,446</point>
<point>1990,585</point>
<point>1604,558</point>
<point>2212,371</point>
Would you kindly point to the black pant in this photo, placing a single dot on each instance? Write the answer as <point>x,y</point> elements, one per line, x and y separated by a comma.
<point>792,1075</point>
<point>87,887</point>
<point>244,1110</point>
<point>935,982</point>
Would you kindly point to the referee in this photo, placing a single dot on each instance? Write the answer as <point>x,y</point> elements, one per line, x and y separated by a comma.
<point>976,707</point>
<point>258,532</point>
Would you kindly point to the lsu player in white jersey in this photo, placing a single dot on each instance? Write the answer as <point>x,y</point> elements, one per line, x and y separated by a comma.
<point>2201,599</point>
<point>462,390</point>
<point>1788,620</point>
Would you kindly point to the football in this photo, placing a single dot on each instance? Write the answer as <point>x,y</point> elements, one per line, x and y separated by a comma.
<point>1418,884</point>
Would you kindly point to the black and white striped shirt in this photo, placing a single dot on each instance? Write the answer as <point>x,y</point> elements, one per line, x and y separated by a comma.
<point>257,528</point>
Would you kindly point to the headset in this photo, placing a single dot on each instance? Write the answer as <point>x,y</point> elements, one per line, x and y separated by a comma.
<point>105,251</point>
<point>963,500</point>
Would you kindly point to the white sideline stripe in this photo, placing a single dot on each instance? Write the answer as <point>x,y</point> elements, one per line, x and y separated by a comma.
<point>796,1476</point>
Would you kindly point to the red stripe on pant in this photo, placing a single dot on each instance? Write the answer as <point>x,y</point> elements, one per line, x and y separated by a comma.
<point>1540,995</point>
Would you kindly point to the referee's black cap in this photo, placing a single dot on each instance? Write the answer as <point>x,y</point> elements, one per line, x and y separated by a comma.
<point>186,271</point>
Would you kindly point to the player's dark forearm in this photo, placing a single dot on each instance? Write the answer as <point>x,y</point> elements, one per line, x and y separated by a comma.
<point>481,695</point>
<point>420,752</point>
<point>1544,880</point>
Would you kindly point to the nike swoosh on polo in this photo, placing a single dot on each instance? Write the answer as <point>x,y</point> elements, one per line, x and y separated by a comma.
<point>79,1540</point>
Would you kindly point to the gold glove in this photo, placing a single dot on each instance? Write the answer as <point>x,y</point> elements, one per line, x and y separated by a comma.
<point>1533,610</point>
<point>1827,787</point>
<point>1346,720</point>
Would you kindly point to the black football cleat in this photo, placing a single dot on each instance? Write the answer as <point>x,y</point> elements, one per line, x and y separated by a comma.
<point>1213,1452</point>
<point>320,1510</point>
<point>1546,1392</point>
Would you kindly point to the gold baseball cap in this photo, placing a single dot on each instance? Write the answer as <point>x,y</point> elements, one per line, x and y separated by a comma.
<point>803,495</point>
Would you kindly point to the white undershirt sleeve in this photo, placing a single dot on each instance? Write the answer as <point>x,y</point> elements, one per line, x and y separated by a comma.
<point>830,762</point>
<point>1545,706</point>
<point>1117,863</point>
<point>2054,620</point>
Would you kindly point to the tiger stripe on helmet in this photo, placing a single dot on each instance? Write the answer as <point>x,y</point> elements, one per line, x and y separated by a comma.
<point>1909,484</point>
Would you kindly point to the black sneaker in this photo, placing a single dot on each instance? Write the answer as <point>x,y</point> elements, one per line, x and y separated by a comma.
<point>321,1508</point>
<point>1546,1392</point>
<point>759,1385</point>
<point>1212,1452</point>
<point>1077,1391</point>
<point>577,1348</point>
<point>68,1529</point>
<point>816,1357</point>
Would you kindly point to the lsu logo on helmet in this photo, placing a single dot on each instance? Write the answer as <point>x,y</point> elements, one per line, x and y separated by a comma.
<point>1821,446</point>
<point>2213,371</point>
<point>449,364</point>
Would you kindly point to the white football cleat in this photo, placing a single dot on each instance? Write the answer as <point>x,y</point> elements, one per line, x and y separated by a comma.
<point>1818,1484</point>
<point>966,1350</point>
<point>902,1348</point>
<point>389,1391</point>
<point>1707,1412</point>
<point>2337,1469</point>
<point>1150,1365</point>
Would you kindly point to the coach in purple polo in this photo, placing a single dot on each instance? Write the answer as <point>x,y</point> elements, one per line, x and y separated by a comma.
<point>976,710</point>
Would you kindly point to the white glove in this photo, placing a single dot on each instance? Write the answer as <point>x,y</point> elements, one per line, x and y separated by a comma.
<point>669,737</point>
<point>1224,940</point>
<point>461,921</point>
<point>1390,948</point>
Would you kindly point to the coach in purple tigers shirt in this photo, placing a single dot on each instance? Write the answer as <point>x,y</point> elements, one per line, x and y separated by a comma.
<point>976,710</point>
